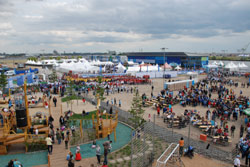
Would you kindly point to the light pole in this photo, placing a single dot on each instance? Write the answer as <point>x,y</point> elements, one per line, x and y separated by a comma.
<point>163,49</point>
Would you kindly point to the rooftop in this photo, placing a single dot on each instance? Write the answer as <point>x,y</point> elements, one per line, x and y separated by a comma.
<point>169,54</point>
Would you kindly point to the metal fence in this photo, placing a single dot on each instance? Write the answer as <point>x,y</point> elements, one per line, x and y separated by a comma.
<point>142,147</point>
<point>149,129</point>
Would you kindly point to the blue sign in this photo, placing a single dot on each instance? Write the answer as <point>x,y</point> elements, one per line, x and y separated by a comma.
<point>20,80</point>
<point>29,79</point>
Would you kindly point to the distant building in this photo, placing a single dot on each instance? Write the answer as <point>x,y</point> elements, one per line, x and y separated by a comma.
<point>182,58</point>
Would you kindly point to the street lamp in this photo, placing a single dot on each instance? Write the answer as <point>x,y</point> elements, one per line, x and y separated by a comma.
<point>163,49</point>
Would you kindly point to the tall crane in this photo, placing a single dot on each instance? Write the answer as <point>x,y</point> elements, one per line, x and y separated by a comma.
<point>242,50</point>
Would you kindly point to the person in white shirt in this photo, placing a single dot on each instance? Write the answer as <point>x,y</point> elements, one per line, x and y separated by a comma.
<point>36,132</point>
<point>49,144</point>
<point>237,161</point>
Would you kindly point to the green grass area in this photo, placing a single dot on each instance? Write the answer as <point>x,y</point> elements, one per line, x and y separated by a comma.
<point>73,97</point>
<point>229,58</point>
<point>86,117</point>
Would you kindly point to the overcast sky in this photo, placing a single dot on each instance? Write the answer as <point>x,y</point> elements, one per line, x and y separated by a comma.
<point>31,26</point>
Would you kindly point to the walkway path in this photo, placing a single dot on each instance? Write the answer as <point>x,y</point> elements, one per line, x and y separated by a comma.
<point>58,157</point>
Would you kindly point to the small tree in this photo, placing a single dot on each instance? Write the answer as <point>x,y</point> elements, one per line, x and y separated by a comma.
<point>99,93</point>
<point>136,110</point>
<point>70,91</point>
<point>3,81</point>
<point>53,76</point>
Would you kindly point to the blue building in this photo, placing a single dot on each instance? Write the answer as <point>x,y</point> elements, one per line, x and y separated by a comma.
<point>182,58</point>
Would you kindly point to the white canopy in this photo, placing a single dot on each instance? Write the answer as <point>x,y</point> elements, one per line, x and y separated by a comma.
<point>215,63</point>
<point>78,67</point>
<point>242,65</point>
<point>212,66</point>
<point>178,68</point>
<point>231,66</point>
<point>221,63</point>
<point>142,68</point>
<point>120,68</point>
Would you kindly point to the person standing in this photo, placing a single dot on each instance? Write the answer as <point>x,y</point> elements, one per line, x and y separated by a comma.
<point>232,130</point>
<point>181,145</point>
<point>106,150</point>
<point>66,141</point>
<point>54,100</point>
<point>120,103</point>
<point>98,154</point>
<point>237,161</point>
<point>71,162</point>
<point>49,144</point>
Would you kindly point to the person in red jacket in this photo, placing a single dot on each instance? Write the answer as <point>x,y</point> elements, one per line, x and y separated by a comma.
<point>78,156</point>
<point>158,110</point>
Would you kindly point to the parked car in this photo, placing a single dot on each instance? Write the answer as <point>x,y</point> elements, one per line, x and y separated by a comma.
<point>10,73</point>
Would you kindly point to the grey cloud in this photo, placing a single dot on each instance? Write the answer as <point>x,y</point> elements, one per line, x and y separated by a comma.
<point>159,19</point>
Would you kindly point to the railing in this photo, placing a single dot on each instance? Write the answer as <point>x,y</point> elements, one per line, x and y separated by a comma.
<point>166,155</point>
<point>165,134</point>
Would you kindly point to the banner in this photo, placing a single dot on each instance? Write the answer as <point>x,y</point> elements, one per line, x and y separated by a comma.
<point>20,80</point>
<point>100,69</point>
<point>30,79</point>
<point>187,85</point>
<point>10,83</point>
<point>193,82</point>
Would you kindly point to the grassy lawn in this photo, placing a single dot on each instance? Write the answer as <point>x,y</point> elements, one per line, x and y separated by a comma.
<point>86,117</point>
<point>73,97</point>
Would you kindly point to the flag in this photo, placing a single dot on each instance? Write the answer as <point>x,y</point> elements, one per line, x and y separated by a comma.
<point>187,85</point>
<point>193,82</point>
<point>100,69</point>
<point>158,68</point>
<point>29,78</point>
<point>20,80</point>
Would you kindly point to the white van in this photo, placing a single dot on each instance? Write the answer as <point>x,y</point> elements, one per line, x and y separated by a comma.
<point>10,73</point>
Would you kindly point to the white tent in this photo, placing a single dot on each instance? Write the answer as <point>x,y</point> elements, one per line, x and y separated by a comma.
<point>178,68</point>
<point>221,63</point>
<point>120,68</point>
<point>212,66</point>
<point>231,67</point>
<point>215,63</point>
<point>77,67</point>
<point>242,65</point>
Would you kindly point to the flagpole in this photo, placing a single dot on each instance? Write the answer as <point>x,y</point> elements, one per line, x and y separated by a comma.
<point>163,77</point>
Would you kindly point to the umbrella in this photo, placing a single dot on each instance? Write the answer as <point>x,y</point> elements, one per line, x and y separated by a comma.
<point>247,111</point>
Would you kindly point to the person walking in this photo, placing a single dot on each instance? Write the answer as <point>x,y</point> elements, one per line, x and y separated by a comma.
<point>98,154</point>
<point>66,141</point>
<point>49,144</point>
<point>58,136</point>
<point>181,145</point>
<point>232,130</point>
<point>54,100</point>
